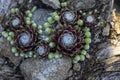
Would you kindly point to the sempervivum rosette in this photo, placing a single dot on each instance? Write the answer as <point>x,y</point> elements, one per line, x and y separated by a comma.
<point>15,21</point>
<point>25,39</point>
<point>90,18</point>
<point>72,42</point>
<point>24,42</point>
<point>42,49</point>
<point>68,16</point>
<point>69,41</point>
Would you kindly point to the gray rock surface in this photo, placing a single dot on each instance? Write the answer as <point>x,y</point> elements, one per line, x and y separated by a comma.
<point>106,10</point>
<point>77,67</point>
<point>40,16</point>
<point>5,50</point>
<point>1,29</point>
<point>106,30</point>
<point>106,76</point>
<point>97,38</point>
<point>114,67</point>
<point>111,76</point>
<point>2,61</point>
<point>55,4</point>
<point>110,56</point>
<point>6,71</point>
<point>107,52</point>
<point>40,69</point>
<point>82,4</point>
<point>4,6</point>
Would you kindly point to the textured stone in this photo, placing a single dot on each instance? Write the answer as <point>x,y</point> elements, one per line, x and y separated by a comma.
<point>107,52</point>
<point>106,76</point>
<point>77,67</point>
<point>1,29</point>
<point>35,69</point>
<point>5,50</point>
<point>4,6</point>
<point>6,71</point>
<point>82,4</point>
<point>106,30</point>
<point>111,76</point>
<point>114,67</point>
<point>40,16</point>
<point>2,60</point>
<point>55,4</point>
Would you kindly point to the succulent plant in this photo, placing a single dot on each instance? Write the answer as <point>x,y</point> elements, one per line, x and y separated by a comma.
<point>66,33</point>
<point>25,39</point>
<point>68,16</point>
<point>42,49</point>
<point>22,33</point>
<point>15,21</point>
<point>72,37</point>
<point>90,20</point>
<point>69,41</point>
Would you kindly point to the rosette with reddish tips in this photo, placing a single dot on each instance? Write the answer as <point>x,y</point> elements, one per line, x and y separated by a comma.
<point>69,41</point>
<point>42,49</point>
<point>68,16</point>
<point>25,39</point>
<point>15,22</point>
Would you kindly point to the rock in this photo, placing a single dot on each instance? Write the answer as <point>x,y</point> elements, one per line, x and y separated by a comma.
<point>55,4</point>
<point>82,4</point>
<point>107,52</point>
<point>111,76</point>
<point>40,16</point>
<point>2,61</point>
<point>77,67</point>
<point>104,1</point>
<point>106,30</point>
<point>6,71</point>
<point>93,78</point>
<point>1,29</point>
<point>110,9</point>
<point>71,78</point>
<point>103,45</point>
<point>5,50</point>
<point>97,39</point>
<point>4,7</point>
<point>115,41</point>
<point>7,78</point>
<point>70,73</point>
<point>117,27</point>
<point>114,67</point>
<point>21,1</point>
<point>36,69</point>
<point>110,61</point>
<point>109,55</point>
<point>2,78</point>
<point>116,21</point>
<point>106,76</point>
<point>105,8</point>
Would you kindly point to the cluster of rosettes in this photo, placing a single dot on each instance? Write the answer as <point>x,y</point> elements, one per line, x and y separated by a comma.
<point>22,33</point>
<point>66,33</point>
